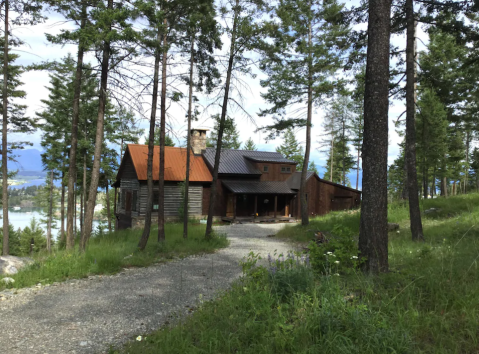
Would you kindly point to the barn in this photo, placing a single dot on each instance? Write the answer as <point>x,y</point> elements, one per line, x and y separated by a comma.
<point>251,185</point>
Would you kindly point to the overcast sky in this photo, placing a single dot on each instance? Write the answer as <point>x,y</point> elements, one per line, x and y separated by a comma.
<point>37,49</point>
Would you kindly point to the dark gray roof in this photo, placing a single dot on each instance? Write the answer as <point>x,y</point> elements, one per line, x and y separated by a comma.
<point>257,187</point>
<point>294,182</point>
<point>238,161</point>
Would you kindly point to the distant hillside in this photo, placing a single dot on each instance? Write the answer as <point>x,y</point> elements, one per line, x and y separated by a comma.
<point>28,160</point>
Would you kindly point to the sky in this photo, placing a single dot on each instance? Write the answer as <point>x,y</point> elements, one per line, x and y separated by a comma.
<point>37,50</point>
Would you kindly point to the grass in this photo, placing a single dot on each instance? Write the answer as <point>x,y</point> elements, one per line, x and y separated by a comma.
<point>111,253</point>
<point>427,303</point>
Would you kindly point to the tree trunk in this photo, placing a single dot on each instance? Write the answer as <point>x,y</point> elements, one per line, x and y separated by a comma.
<point>161,177</point>
<point>75,209</point>
<point>433,184</point>
<point>414,211</point>
<point>50,214</point>
<point>188,140</point>
<point>82,204</point>
<point>444,182</point>
<point>373,234</point>
<point>71,203</point>
<point>108,209</point>
<point>344,156</point>
<point>302,188</point>
<point>95,173</point>
<point>224,108</point>
<point>62,210</point>
<point>359,154</point>
<point>468,141</point>
<point>332,159</point>
<point>151,146</point>
<point>6,249</point>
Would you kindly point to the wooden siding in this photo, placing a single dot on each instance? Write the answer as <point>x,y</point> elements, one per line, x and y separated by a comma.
<point>324,198</point>
<point>274,171</point>
<point>127,170</point>
<point>128,185</point>
<point>173,199</point>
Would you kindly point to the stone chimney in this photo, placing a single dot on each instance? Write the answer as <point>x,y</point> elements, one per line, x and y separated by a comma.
<point>198,139</point>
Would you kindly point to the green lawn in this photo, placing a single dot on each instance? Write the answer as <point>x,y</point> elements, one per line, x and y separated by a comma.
<point>427,303</point>
<point>110,253</point>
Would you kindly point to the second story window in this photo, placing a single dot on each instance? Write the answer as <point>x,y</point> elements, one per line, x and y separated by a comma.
<point>285,169</point>
<point>265,168</point>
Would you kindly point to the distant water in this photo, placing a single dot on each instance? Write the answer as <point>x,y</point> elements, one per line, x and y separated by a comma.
<point>33,182</point>
<point>22,218</point>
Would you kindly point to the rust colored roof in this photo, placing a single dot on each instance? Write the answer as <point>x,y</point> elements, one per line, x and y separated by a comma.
<point>175,164</point>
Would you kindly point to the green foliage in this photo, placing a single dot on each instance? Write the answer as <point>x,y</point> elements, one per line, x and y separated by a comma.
<point>168,140</point>
<point>230,134</point>
<point>14,243</point>
<point>250,145</point>
<point>291,149</point>
<point>32,232</point>
<point>109,253</point>
<point>338,255</point>
<point>312,167</point>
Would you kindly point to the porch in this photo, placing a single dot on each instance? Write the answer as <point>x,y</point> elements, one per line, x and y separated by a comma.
<point>258,201</point>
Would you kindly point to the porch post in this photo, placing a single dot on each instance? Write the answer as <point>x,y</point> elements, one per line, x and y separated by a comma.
<point>255,206</point>
<point>234,207</point>
<point>275,205</point>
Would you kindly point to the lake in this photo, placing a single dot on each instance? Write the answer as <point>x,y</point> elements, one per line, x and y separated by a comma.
<point>21,219</point>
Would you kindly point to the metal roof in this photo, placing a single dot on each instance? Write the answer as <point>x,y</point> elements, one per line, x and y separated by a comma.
<point>239,161</point>
<point>175,164</point>
<point>294,182</point>
<point>257,187</point>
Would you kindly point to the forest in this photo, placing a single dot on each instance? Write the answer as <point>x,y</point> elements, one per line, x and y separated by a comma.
<point>314,56</point>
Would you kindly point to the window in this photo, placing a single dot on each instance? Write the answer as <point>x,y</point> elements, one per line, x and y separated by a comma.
<point>265,168</point>
<point>123,199</point>
<point>156,196</point>
<point>285,169</point>
<point>134,201</point>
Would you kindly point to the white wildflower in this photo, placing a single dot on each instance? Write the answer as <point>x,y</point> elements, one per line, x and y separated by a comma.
<point>337,262</point>
<point>139,338</point>
<point>330,253</point>
<point>354,257</point>
<point>398,231</point>
<point>336,274</point>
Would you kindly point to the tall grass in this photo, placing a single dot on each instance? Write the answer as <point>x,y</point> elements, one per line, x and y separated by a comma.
<point>427,303</point>
<point>110,253</point>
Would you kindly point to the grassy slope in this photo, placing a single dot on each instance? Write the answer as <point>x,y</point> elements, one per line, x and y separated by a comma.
<point>106,255</point>
<point>428,303</point>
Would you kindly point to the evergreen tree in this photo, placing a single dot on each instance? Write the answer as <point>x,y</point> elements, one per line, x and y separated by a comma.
<point>291,149</point>
<point>230,134</point>
<point>13,114</point>
<point>344,162</point>
<point>243,26</point>
<point>309,37</point>
<point>168,140</point>
<point>250,145</point>
<point>125,128</point>
<point>373,231</point>
<point>32,232</point>
<point>312,167</point>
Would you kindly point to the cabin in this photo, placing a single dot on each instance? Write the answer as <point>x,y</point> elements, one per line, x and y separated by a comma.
<point>251,185</point>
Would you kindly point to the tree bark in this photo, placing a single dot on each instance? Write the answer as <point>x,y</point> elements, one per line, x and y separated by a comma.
<point>414,211</point>
<point>332,159</point>
<point>161,177</point>
<point>359,154</point>
<point>302,188</point>
<point>50,214</point>
<point>62,210</point>
<point>344,156</point>
<point>71,205</point>
<point>224,108</point>
<point>188,140</point>
<point>108,209</point>
<point>6,248</point>
<point>373,233</point>
<point>95,173</point>
<point>151,146</point>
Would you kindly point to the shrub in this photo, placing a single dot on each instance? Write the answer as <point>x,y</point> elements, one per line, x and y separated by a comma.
<point>338,255</point>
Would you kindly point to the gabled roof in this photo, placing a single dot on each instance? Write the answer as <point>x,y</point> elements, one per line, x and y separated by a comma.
<point>257,187</point>
<point>175,164</point>
<point>294,182</point>
<point>240,161</point>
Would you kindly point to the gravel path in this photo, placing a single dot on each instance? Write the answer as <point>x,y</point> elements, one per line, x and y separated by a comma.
<point>86,316</point>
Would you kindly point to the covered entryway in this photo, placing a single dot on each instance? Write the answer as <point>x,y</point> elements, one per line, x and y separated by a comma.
<point>261,200</point>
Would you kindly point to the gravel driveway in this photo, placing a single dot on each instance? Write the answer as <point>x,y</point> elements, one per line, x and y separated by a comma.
<point>87,316</point>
